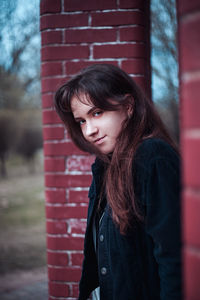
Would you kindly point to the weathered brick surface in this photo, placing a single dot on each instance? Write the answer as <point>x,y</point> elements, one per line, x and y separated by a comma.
<point>53,53</point>
<point>57,259</point>
<point>47,6</point>
<point>79,163</point>
<point>77,196</point>
<point>47,101</point>
<point>52,133</point>
<point>191,104</point>
<point>59,289</point>
<point>119,50</point>
<point>76,34</point>
<point>56,227</point>
<point>118,18</point>
<point>51,37</point>
<point>73,67</point>
<point>51,69</point>
<point>55,196</point>
<point>190,59</point>
<point>65,243</point>
<point>185,6</point>
<point>63,21</point>
<point>132,33</point>
<point>90,35</point>
<point>68,274</point>
<point>189,49</point>
<point>191,274</point>
<point>66,212</point>
<point>77,5</point>
<point>191,218</point>
<point>54,164</point>
<point>132,4</point>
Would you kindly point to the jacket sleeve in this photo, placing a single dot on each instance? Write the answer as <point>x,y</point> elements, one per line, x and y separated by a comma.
<point>163,223</point>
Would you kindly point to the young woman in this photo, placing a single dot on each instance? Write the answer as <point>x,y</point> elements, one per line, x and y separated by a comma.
<point>132,247</point>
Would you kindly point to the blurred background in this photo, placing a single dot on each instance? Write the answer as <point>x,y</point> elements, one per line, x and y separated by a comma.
<point>22,216</point>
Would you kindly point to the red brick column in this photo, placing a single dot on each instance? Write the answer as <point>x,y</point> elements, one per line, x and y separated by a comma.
<point>189,59</point>
<point>75,34</point>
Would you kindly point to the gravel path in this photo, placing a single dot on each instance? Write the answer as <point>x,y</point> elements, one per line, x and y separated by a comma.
<point>22,285</point>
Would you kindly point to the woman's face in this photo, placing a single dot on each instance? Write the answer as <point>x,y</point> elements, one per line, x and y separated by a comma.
<point>99,127</point>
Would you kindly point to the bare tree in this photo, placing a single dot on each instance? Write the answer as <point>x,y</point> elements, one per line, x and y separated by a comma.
<point>165,62</point>
<point>20,46</point>
<point>8,135</point>
<point>30,142</point>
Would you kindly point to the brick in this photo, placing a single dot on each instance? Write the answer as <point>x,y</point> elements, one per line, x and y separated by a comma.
<point>52,84</point>
<point>191,220</point>
<point>55,196</point>
<point>57,259</point>
<point>51,37</point>
<point>50,117</point>
<point>191,274</point>
<point>47,101</point>
<point>77,226</point>
<point>51,69</point>
<point>54,165</point>
<point>132,34</point>
<point>53,133</point>
<point>87,5</point>
<point>69,274</point>
<point>56,227</point>
<point>62,148</point>
<point>59,289</point>
<point>131,4</point>
<point>65,243</point>
<point>80,163</point>
<point>191,162</point>
<point>75,67</point>
<point>118,18</point>
<point>66,212</point>
<point>185,6</point>
<point>90,35</point>
<point>75,290</point>
<point>189,44</point>
<point>64,52</point>
<point>78,196</point>
<point>119,51</point>
<point>47,6</point>
<point>57,180</point>
<point>77,259</point>
<point>63,21</point>
<point>141,82</point>
<point>134,66</point>
<point>190,92</point>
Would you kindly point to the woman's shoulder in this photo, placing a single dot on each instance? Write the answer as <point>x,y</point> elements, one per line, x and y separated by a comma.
<point>152,149</point>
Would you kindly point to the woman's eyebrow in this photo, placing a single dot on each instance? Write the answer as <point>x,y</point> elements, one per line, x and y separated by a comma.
<point>91,110</point>
<point>88,112</point>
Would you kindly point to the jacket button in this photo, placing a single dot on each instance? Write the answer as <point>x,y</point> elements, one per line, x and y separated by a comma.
<point>101,238</point>
<point>103,271</point>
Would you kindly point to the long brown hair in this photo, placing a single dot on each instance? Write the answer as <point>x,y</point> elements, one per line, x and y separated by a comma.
<point>102,83</point>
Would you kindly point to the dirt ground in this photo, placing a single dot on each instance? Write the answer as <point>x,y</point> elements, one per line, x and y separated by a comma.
<point>18,279</point>
<point>22,235</point>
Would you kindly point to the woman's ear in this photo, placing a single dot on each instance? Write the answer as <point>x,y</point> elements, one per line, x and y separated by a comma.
<point>129,105</point>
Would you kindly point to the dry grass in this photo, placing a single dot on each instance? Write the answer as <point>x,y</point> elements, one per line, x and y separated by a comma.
<point>22,219</point>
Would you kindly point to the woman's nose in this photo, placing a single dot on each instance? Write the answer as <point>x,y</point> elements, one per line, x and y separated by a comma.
<point>91,129</point>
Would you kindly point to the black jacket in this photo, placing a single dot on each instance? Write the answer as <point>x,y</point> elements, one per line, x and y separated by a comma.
<point>146,263</point>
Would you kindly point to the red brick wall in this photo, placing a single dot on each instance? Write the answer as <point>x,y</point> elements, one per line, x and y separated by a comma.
<point>75,34</point>
<point>189,59</point>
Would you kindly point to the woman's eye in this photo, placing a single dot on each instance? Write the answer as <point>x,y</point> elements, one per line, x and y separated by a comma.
<point>97,113</point>
<point>81,122</point>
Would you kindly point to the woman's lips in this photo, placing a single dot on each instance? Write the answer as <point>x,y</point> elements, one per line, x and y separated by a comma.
<point>99,141</point>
